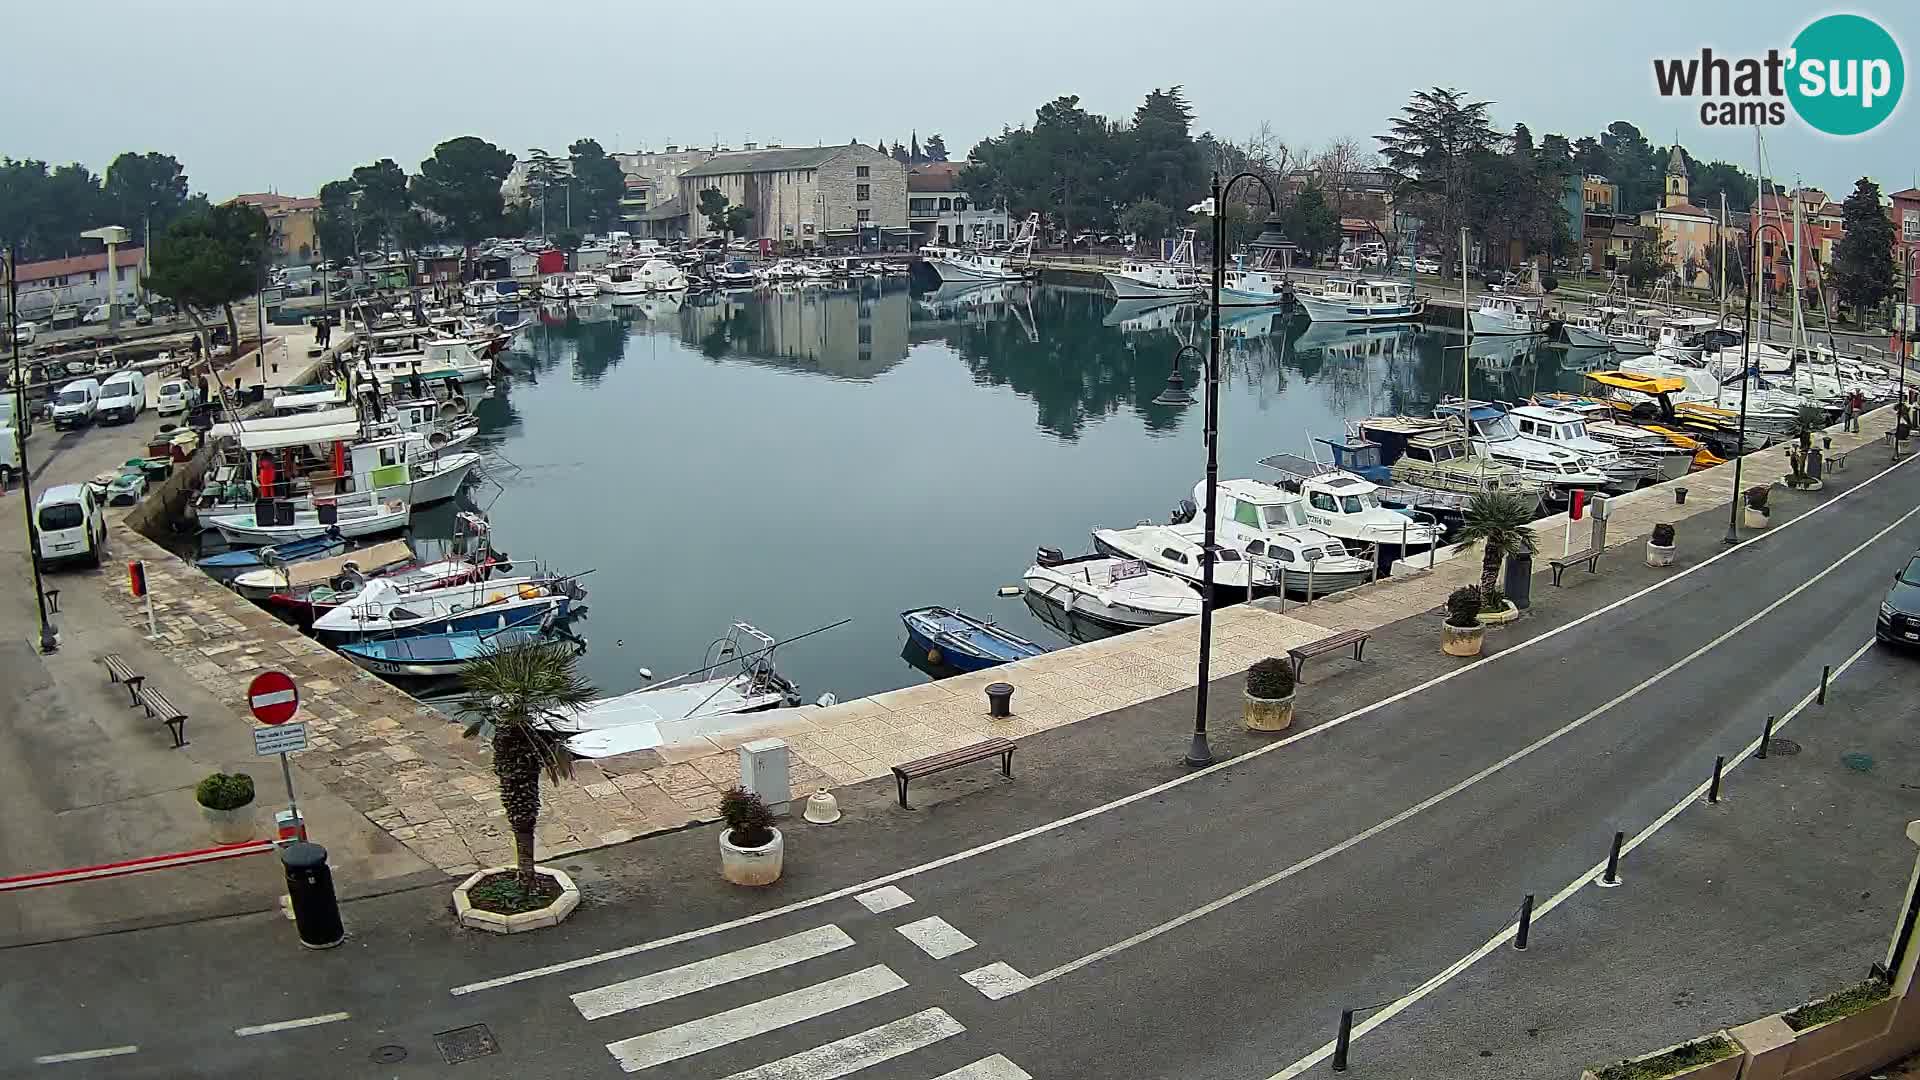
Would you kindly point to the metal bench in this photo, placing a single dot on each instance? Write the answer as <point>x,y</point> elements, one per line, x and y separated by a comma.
<point>927,766</point>
<point>1560,565</point>
<point>118,671</point>
<point>159,708</point>
<point>1300,654</point>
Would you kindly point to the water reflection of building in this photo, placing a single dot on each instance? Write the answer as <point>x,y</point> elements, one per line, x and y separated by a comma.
<point>856,333</point>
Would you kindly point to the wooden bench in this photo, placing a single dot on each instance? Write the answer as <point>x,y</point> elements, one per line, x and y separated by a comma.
<point>1300,654</point>
<point>1560,565</point>
<point>118,671</point>
<point>159,708</point>
<point>952,759</point>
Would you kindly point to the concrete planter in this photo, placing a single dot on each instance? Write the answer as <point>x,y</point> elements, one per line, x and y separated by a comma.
<point>1659,555</point>
<point>493,922</point>
<point>1462,640</point>
<point>1267,714</point>
<point>1727,1068</point>
<point>1499,618</point>
<point>230,826</point>
<point>1823,1041</point>
<point>1754,519</point>
<point>752,866</point>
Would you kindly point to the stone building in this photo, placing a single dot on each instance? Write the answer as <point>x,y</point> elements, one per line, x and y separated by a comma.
<point>807,196</point>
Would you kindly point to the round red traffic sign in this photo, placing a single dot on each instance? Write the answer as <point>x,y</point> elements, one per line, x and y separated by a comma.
<point>273,697</point>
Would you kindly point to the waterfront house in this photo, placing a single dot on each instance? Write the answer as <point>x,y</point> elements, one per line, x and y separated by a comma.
<point>1904,209</point>
<point>806,196</point>
<point>1822,226</point>
<point>77,284</point>
<point>1684,231</point>
<point>941,213</point>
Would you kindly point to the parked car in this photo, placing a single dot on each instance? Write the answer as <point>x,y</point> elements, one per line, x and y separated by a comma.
<point>175,396</point>
<point>1899,621</point>
<point>142,316</point>
<point>1426,266</point>
<point>72,528</point>
<point>27,332</point>
<point>74,405</point>
<point>123,397</point>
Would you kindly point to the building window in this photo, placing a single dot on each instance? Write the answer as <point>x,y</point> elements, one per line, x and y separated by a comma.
<point>946,204</point>
<point>1910,225</point>
<point>960,205</point>
<point>862,192</point>
<point>806,228</point>
<point>862,171</point>
<point>865,215</point>
<point>922,206</point>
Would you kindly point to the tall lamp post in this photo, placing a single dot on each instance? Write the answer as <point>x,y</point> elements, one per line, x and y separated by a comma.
<point>1198,753</point>
<point>49,636</point>
<point>1746,375</point>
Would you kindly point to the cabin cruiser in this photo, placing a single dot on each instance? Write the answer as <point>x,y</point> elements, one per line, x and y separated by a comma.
<point>1508,313</point>
<point>1672,455</point>
<point>568,287</point>
<point>431,360</point>
<point>623,284</point>
<point>1430,454</point>
<point>1347,506</point>
<point>1139,279</point>
<point>1176,549</point>
<point>1013,263</point>
<point>1494,434</point>
<point>1568,429</point>
<point>496,293</point>
<point>1268,525</point>
<point>1121,594</point>
<point>1360,300</point>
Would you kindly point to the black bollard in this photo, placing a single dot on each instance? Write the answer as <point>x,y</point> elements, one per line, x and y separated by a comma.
<point>316,913</point>
<point>1612,877</point>
<point>1526,924</point>
<point>1341,1041</point>
<point>1713,790</point>
<point>999,700</point>
<point>1679,495</point>
<point>1766,736</point>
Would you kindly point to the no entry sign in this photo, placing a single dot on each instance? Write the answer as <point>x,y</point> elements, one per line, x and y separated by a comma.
<point>273,697</point>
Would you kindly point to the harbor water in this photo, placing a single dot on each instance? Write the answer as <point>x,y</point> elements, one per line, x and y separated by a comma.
<point>792,458</point>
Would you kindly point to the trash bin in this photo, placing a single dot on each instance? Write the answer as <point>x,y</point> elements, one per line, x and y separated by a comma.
<point>316,913</point>
<point>1519,581</point>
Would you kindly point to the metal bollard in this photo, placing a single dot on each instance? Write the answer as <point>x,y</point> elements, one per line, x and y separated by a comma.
<point>1612,877</point>
<point>1343,1040</point>
<point>316,912</point>
<point>1526,924</point>
<point>1766,736</point>
<point>1679,495</point>
<point>999,700</point>
<point>1826,672</point>
<point>1713,790</point>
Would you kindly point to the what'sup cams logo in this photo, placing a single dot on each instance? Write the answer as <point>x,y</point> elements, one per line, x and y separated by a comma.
<point>1843,76</point>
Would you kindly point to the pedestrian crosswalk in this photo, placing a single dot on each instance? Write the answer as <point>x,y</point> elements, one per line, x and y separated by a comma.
<point>800,1016</point>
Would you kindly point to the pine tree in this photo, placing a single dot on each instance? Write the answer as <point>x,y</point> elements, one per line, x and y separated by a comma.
<point>1863,262</point>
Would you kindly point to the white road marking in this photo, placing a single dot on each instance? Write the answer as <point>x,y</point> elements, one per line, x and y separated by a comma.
<point>757,1018</point>
<point>713,971</point>
<point>1443,795</point>
<point>988,1068</point>
<point>843,1057</point>
<point>997,980</point>
<point>884,899</point>
<point>936,937</point>
<point>288,1025</point>
<point>85,1055</point>
<point>1158,789</point>
<point>1451,971</point>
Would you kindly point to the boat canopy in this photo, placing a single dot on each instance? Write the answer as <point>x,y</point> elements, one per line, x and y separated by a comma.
<point>252,441</point>
<point>313,399</point>
<point>1646,384</point>
<point>280,424</point>
<point>378,557</point>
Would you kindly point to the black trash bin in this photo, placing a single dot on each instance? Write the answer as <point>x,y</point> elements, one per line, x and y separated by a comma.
<point>1519,581</point>
<point>316,913</point>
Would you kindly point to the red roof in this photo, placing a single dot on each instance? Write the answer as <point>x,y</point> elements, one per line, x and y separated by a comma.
<point>1684,210</point>
<point>78,264</point>
<point>935,176</point>
<point>1910,193</point>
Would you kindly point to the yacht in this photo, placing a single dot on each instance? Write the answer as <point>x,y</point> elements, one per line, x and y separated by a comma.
<point>1121,594</point>
<point>1012,263</point>
<point>1494,434</point>
<point>1140,279</point>
<point>1507,313</point>
<point>1347,506</point>
<point>624,284</point>
<point>1360,300</point>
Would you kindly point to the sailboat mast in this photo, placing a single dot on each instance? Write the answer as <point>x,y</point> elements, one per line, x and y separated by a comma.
<point>1720,376</point>
<point>1466,353</point>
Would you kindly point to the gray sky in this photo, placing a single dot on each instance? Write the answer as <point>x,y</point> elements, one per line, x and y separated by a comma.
<point>252,96</point>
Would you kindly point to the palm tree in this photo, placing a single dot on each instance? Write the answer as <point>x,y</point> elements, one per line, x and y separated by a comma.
<point>1499,520</point>
<point>514,695</point>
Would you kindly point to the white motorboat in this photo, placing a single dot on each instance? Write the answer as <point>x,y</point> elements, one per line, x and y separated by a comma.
<point>568,287</point>
<point>381,609</point>
<point>1670,460</point>
<point>505,292</point>
<point>1494,435</point>
<point>739,676</point>
<point>276,576</point>
<point>407,576</point>
<point>1176,549</point>
<point>1629,336</point>
<point>1270,525</point>
<point>248,530</point>
<point>1360,300</point>
<point>1588,331</point>
<point>432,360</point>
<point>1508,313</point>
<point>1253,288</point>
<point>1567,429</point>
<point>1139,279</point>
<point>1119,593</point>
<point>1012,263</point>
<point>1345,505</point>
<point>627,284</point>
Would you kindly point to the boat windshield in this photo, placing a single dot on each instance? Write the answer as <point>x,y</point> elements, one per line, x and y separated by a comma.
<point>1357,504</point>
<point>1575,430</point>
<point>1282,515</point>
<point>1500,427</point>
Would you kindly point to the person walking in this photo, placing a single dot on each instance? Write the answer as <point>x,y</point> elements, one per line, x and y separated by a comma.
<point>1856,404</point>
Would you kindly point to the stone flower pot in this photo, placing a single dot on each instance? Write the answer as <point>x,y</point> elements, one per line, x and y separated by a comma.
<point>1505,615</point>
<point>751,866</point>
<point>1267,714</point>
<point>230,826</point>
<point>1659,554</point>
<point>1754,519</point>
<point>1462,640</point>
<point>493,922</point>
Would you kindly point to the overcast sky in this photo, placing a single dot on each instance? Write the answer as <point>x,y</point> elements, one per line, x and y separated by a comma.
<point>254,95</point>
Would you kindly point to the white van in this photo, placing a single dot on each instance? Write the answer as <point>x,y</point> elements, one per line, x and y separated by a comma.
<point>10,417</point>
<point>9,455</point>
<point>70,526</point>
<point>174,396</point>
<point>123,397</point>
<point>27,332</point>
<point>73,406</point>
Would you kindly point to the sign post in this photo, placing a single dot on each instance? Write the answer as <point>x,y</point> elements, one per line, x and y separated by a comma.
<point>274,699</point>
<point>137,584</point>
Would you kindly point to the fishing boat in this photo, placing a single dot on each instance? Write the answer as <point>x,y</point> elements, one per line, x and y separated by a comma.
<point>960,641</point>
<point>353,522</point>
<point>1588,331</point>
<point>228,564</point>
<point>1123,594</point>
<point>307,467</point>
<point>486,294</point>
<point>1508,313</point>
<point>307,597</point>
<point>432,360</point>
<point>263,582</point>
<point>1360,300</point>
<point>738,674</point>
<point>1139,279</point>
<point>1425,463</point>
<point>1011,263</point>
<point>429,656</point>
<point>383,610</point>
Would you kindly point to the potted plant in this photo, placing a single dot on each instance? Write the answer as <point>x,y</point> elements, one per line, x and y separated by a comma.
<point>1756,507</point>
<point>1498,521</point>
<point>751,849</point>
<point>1660,546</point>
<point>1495,608</point>
<point>1462,634</point>
<point>226,799</point>
<point>1269,703</point>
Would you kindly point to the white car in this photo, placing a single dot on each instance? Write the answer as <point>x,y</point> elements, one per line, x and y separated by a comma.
<point>1426,266</point>
<point>173,396</point>
<point>71,526</point>
<point>97,314</point>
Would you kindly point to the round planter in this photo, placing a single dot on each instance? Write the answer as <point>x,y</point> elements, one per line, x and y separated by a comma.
<point>1462,640</point>
<point>1267,714</point>
<point>553,914</point>
<point>1754,519</point>
<point>1498,618</point>
<point>230,826</point>
<point>752,866</point>
<point>1658,555</point>
<point>1806,485</point>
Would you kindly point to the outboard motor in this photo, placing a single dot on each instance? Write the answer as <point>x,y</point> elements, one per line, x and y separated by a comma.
<point>1048,556</point>
<point>1184,512</point>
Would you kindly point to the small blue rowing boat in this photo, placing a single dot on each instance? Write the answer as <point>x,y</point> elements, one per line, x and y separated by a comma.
<point>430,655</point>
<point>957,640</point>
<point>229,564</point>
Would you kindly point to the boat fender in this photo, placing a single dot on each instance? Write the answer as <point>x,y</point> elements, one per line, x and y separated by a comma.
<point>933,656</point>
<point>1009,590</point>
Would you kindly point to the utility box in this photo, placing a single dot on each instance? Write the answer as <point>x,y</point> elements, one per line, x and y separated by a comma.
<point>763,771</point>
<point>1602,511</point>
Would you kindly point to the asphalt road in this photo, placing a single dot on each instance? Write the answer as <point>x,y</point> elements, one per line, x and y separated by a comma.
<point>1211,926</point>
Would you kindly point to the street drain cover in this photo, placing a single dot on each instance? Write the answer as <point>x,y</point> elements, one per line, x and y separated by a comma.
<point>1783,747</point>
<point>465,1044</point>
<point>388,1055</point>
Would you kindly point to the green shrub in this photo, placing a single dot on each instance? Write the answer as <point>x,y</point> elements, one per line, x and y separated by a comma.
<point>1270,678</point>
<point>1463,607</point>
<point>1493,600</point>
<point>225,791</point>
<point>1663,535</point>
<point>749,821</point>
<point>1689,1055</point>
<point>1853,999</point>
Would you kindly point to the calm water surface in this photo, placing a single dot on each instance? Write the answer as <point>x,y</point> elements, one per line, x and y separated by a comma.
<point>791,459</point>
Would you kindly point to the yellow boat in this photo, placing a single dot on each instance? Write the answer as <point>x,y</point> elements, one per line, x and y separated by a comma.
<point>1704,429</point>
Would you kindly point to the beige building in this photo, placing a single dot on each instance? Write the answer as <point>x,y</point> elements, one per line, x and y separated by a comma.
<point>807,196</point>
<point>1684,230</point>
<point>290,225</point>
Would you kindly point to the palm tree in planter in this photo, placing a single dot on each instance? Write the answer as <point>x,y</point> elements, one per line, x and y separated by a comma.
<point>1498,520</point>
<point>514,695</point>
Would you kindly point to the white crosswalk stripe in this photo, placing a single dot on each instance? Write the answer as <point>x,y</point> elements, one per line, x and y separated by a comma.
<point>885,898</point>
<point>757,1018</point>
<point>714,971</point>
<point>936,937</point>
<point>843,1057</point>
<point>988,1068</point>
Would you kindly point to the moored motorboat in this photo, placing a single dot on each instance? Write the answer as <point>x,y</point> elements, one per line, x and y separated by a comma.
<point>1118,593</point>
<point>1139,279</point>
<point>287,524</point>
<point>430,656</point>
<point>1359,300</point>
<point>382,610</point>
<point>263,582</point>
<point>960,641</point>
<point>228,564</point>
<point>1508,313</point>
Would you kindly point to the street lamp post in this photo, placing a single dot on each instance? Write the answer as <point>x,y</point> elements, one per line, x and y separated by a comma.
<point>49,636</point>
<point>1746,375</point>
